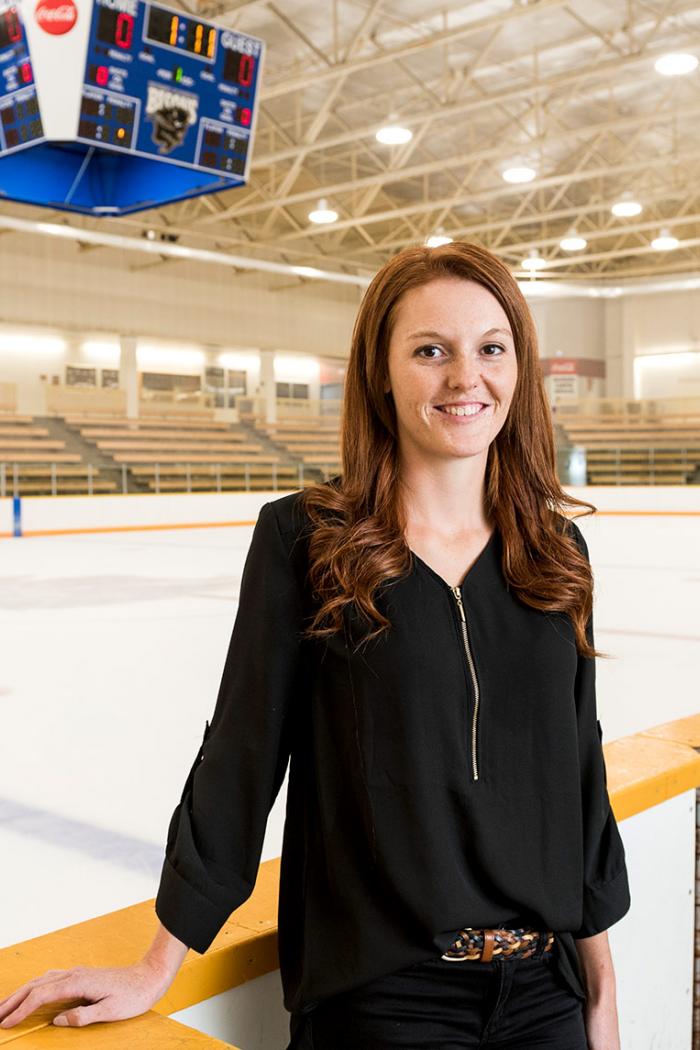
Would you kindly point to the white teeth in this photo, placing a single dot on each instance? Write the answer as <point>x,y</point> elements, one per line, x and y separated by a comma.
<point>460,411</point>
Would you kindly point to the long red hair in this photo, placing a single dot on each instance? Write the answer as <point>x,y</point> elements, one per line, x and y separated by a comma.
<point>357,523</point>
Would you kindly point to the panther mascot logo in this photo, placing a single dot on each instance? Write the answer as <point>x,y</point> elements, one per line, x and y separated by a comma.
<point>172,113</point>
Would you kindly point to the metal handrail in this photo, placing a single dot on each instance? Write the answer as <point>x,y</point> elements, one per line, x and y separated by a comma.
<point>652,461</point>
<point>217,469</point>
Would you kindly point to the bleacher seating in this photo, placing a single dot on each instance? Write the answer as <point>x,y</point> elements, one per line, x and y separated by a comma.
<point>192,451</point>
<point>32,463</point>
<point>636,450</point>
<point>314,442</point>
<point>21,441</point>
<point>187,453</point>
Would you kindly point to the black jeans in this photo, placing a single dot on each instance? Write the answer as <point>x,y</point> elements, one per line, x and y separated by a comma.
<point>505,1004</point>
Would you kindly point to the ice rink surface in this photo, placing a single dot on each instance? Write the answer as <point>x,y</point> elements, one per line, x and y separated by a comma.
<point>111,653</point>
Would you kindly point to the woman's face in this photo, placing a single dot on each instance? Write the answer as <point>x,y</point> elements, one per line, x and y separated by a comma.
<point>451,344</point>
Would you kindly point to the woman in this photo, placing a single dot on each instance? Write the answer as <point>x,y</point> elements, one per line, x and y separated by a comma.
<point>417,636</point>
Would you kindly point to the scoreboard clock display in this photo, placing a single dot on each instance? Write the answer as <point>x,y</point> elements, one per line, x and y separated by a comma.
<point>113,106</point>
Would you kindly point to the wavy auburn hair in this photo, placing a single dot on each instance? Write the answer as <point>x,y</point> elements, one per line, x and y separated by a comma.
<point>357,520</point>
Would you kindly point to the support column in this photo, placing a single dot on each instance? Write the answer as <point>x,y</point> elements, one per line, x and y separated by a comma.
<point>128,375</point>
<point>614,351</point>
<point>268,389</point>
<point>629,345</point>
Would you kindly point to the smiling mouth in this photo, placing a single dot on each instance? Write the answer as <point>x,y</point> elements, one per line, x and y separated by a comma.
<point>466,412</point>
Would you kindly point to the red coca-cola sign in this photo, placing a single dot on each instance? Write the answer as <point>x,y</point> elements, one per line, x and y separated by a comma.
<point>56,16</point>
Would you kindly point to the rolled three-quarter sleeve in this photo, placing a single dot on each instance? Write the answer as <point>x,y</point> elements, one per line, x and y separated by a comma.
<point>216,832</point>
<point>606,894</point>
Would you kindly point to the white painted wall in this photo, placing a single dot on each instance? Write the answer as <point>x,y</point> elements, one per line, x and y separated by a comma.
<point>573,327</point>
<point>670,333</point>
<point>57,287</point>
<point>53,282</point>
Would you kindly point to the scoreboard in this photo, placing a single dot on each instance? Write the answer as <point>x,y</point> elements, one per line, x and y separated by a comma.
<point>113,106</point>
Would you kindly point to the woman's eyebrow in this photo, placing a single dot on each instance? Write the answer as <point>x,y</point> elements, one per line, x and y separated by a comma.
<point>500,331</point>
<point>438,335</point>
<point>426,332</point>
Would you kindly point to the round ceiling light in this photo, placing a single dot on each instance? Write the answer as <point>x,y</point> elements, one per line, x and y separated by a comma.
<point>665,242</point>
<point>323,213</point>
<point>573,242</point>
<point>626,207</point>
<point>534,261</point>
<point>394,135</point>
<point>676,64</point>
<point>519,174</point>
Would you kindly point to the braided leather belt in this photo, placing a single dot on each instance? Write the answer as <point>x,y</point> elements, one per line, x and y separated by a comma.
<point>484,944</point>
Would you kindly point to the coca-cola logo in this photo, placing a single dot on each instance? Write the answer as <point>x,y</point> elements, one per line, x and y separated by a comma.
<point>56,16</point>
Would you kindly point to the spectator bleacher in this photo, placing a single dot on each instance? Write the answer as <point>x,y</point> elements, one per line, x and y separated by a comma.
<point>313,442</point>
<point>33,463</point>
<point>647,448</point>
<point>193,451</point>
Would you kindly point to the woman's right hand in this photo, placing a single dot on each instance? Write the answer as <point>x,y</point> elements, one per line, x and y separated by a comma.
<point>112,994</point>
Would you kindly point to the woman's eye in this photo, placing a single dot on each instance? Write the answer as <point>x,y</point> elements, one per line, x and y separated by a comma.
<point>487,346</point>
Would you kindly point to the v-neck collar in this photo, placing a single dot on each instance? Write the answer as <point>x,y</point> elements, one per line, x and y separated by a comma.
<point>477,561</point>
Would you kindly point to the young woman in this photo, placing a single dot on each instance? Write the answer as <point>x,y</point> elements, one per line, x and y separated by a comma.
<point>416,635</point>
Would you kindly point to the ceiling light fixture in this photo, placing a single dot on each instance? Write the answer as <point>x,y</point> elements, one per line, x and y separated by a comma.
<point>573,242</point>
<point>626,207</point>
<point>323,213</point>
<point>393,135</point>
<point>534,261</point>
<point>519,174</point>
<point>676,64</point>
<point>665,242</point>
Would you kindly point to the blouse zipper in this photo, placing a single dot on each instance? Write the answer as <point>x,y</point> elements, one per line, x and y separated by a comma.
<point>458,595</point>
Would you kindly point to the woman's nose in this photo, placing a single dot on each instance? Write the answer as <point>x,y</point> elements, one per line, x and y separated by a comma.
<point>465,371</point>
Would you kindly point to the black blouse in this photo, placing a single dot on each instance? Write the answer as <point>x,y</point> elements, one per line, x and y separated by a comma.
<point>447,774</point>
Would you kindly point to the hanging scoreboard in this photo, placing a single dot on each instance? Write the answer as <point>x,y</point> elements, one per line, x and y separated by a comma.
<point>113,106</point>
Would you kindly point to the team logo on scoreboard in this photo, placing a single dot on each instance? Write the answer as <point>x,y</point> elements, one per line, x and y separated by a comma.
<point>56,16</point>
<point>171,112</point>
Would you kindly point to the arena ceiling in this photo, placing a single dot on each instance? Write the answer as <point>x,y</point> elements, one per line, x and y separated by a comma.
<point>567,87</point>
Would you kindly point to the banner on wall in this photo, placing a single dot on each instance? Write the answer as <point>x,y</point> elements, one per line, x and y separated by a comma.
<point>573,376</point>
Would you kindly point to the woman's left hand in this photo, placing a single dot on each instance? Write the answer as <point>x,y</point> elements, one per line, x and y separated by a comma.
<point>600,1007</point>
<point>602,1025</point>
